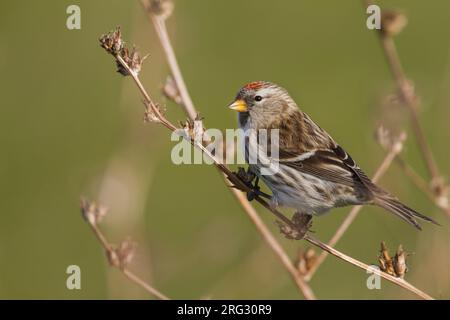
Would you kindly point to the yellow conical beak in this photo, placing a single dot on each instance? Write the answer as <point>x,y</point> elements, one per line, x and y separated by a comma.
<point>239,106</point>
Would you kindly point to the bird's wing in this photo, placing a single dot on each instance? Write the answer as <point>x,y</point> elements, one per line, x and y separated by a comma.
<point>331,164</point>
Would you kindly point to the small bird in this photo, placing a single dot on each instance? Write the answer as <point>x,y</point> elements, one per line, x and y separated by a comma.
<point>314,173</point>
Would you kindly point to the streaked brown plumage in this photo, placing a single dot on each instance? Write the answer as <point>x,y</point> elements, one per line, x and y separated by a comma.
<point>315,174</point>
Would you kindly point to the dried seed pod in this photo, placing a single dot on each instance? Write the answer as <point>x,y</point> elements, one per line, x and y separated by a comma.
<point>132,59</point>
<point>92,212</point>
<point>170,90</point>
<point>392,22</point>
<point>399,262</point>
<point>112,42</point>
<point>306,260</point>
<point>126,251</point>
<point>395,266</point>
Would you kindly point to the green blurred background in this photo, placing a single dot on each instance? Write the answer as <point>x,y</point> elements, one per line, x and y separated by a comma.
<point>71,126</point>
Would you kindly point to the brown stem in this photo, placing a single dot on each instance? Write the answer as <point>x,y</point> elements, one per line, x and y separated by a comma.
<point>423,186</point>
<point>398,281</point>
<point>161,30</point>
<point>127,272</point>
<point>411,102</point>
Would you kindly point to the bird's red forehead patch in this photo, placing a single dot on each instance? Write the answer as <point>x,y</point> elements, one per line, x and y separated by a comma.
<point>255,85</point>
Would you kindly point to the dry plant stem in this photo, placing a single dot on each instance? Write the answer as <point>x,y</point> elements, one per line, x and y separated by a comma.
<point>409,98</point>
<point>391,54</point>
<point>415,178</point>
<point>304,288</point>
<point>240,185</point>
<point>128,273</point>
<point>398,281</point>
<point>387,161</point>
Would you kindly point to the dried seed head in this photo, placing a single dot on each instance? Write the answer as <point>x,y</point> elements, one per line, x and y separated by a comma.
<point>122,255</point>
<point>440,190</point>
<point>389,142</point>
<point>171,92</point>
<point>150,115</point>
<point>383,137</point>
<point>392,22</point>
<point>132,59</point>
<point>399,262</point>
<point>92,212</point>
<point>306,260</point>
<point>395,266</point>
<point>112,42</point>
<point>188,127</point>
<point>385,260</point>
<point>161,8</point>
<point>126,251</point>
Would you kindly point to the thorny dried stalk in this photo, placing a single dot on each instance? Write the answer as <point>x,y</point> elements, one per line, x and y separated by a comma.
<point>394,147</point>
<point>118,256</point>
<point>239,184</point>
<point>392,23</point>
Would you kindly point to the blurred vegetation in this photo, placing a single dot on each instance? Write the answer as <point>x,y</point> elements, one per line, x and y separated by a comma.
<point>71,126</point>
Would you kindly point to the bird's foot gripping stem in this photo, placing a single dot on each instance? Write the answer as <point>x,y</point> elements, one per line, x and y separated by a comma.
<point>247,178</point>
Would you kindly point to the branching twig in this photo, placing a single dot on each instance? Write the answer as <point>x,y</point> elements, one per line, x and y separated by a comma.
<point>395,149</point>
<point>158,19</point>
<point>398,281</point>
<point>274,245</point>
<point>439,200</point>
<point>117,257</point>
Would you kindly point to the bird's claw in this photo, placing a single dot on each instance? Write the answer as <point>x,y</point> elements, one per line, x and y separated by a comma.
<point>247,177</point>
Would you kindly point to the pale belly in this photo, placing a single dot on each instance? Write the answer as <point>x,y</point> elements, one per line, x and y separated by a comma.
<point>307,193</point>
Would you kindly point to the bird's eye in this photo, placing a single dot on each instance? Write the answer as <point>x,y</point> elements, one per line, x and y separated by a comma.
<point>258,98</point>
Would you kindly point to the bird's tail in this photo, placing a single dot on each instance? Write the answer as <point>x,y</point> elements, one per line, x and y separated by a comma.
<point>404,212</point>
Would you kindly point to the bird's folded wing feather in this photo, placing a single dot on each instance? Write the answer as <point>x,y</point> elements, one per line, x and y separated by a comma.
<point>333,165</point>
